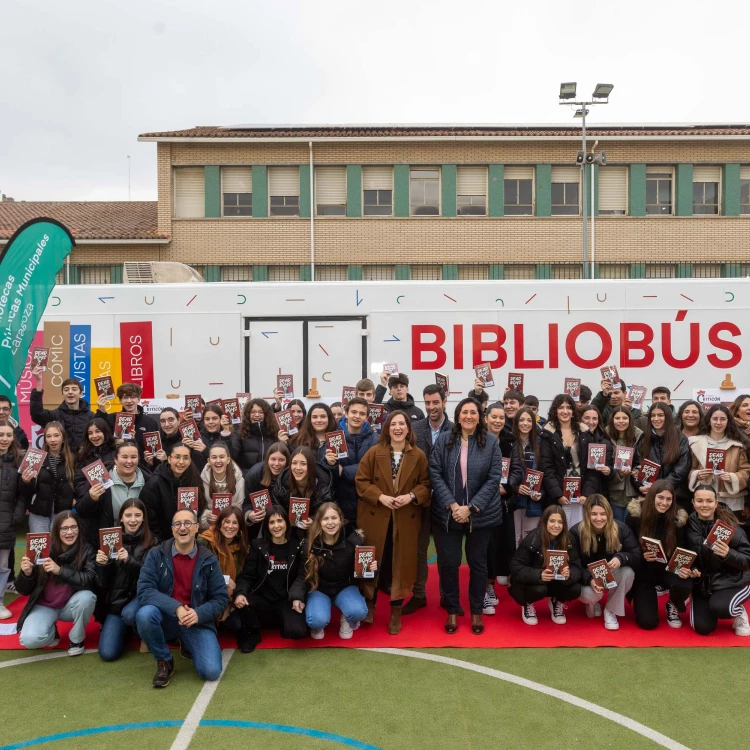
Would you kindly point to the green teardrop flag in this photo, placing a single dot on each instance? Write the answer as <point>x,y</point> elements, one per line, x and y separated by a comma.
<point>28,267</point>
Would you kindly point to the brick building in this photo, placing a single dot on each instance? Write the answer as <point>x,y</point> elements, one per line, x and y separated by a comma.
<point>430,202</point>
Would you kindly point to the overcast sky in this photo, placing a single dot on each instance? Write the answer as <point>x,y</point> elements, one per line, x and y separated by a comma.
<point>81,79</point>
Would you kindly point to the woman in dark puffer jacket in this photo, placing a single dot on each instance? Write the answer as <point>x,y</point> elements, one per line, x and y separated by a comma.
<point>258,430</point>
<point>12,506</point>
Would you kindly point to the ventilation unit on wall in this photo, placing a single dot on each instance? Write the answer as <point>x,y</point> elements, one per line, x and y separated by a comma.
<point>159,273</point>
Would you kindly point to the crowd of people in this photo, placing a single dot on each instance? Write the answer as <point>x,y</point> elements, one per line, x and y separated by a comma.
<point>184,574</point>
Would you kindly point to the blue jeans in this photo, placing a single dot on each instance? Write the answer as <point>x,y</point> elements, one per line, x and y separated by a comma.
<point>620,514</point>
<point>39,626</point>
<point>318,607</point>
<point>114,631</point>
<point>156,629</point>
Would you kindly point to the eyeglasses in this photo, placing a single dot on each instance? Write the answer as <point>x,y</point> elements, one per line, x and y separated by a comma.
<point>183,524</point>
<point>68,529</point>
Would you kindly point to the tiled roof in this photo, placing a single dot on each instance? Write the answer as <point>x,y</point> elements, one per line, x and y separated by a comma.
<point>120,220</point>
<point>427,131</point>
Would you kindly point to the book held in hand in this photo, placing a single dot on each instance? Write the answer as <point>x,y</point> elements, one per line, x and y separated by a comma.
<point>364,557</point>
<point>110,541</point>
<point>195,404</point>
<point>533,480</point>
<point>648,472</point>
<point>104,387</point>
<point>96,473</point>
<point>187,498</point>
<point>602,573</point>
<point>654,545</point>
<point>231,407</point>
<point>33,459</point>
<point>221,501</point>
<point>483,372</point>
<point>572,488</point>
<point>721,532</point>
<point>515,381</point>
<point>39,357</point>
<point>681,558</point>
<point>441,381</point>
<point>124,425</point>
<point>375,415</point>
<point>189,430</point>
<point>597,458</point>
<point>716,459</point>
<point>285,384</point>
<point>152,442</point>
<point>216,402</point>
<point>555,561</point>
<point>610,374</point>
<point>505,467</point>
<point>623,458</point>
<point>38,547</point>
<point>243,398</point>
<point>261,500</point>
<point>348,392</point>
<point>299,510</point>
<point>285,421</point>
<point>391,368</point>
<point>573,388</point>
<point>336,443</point>
<point>637,395</point>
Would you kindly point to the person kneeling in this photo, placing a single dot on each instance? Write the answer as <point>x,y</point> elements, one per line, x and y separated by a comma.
<point>262,594</point>
<point>533,579</point>
<point>181,591</point>
<point>327,577</point>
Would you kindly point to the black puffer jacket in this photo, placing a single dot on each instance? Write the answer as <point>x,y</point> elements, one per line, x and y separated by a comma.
<point>102,453</point>
<point>78,580</point>
<point>717,574</point>
<point>409,406</point>
<point>528,562</point>
<point>21,438</point>
<point>167,443</point>
<point>232,441</point>
<point>633,521</point>
<point>280,489</point>
<point>676,473</point>
<point>335,569</point>
<point>118,581</point>
<point>143,423</point>
<point>12,501</point>
<point>629,554</point>
<point>507,442</point>
<point>74,421</point>
<point>49,493</point>
<point>255,569</point>
<point>252,480</point>
<point>254,446</point>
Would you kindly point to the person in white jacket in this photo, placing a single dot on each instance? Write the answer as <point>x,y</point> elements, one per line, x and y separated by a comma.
<point>221,475</point>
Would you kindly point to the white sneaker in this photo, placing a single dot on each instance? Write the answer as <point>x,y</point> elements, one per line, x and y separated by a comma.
<point>610,620</point>
<point>487,606</point>
<point>673,616</point>
<point>557,610</point>
<point>10,588</point>
<point>345,629</point>
<point>317,633</point>
<point>741,625</point>
<point>490,597</point>
<point>5,613</point>
<point>503,580</point>
<point>528,614</point>
<point>593,610</point>
<point>76,649</point>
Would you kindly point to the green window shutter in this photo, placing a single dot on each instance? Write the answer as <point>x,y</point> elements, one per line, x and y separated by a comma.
<point>684,271</point>
<point>354,191</point>
<point>544,270</point>
<point>304,191</point>
<point>637,270</point>
<point>448,190</point>
<point>260,198</point>
<point>684,191</point>
<point>115,274</point>
<point>730,190</point>
<point>543,189</point>
<point>212,184</point>
<point>595,185</point>
<point>596,270</point>
<point>496,271</point>
<point>450,272</point>
<point>305,272</point>
<point>212,273</point>
<point>75,275</point>
<point>730,270</point>
<point>403,272</point>
<point>354,273</point>
<point>260,273</point>
<point>401,190</point>
<point>496,188</point>
<point>637,190</point>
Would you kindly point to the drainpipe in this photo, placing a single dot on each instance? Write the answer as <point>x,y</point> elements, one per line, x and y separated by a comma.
<point>312,216</point>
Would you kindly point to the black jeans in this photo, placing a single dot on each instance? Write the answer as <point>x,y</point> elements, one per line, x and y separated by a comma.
<point>645,601</point>
<point>706,612</point>
<point>449,547</point>
<point>502,545</point>
<point>530,593</point>
<point>260,613</point>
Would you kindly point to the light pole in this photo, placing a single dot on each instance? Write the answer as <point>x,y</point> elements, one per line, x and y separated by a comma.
<point>600,96</point>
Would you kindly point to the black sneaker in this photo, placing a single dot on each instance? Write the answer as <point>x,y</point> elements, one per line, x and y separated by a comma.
<point>415,603</point>
<point>164,670</point>
<point>76,649</point>
<point>247,640</point>
<point>184,653</point>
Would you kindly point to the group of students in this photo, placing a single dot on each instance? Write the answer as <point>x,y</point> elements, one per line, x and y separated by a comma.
<point>181,575</point>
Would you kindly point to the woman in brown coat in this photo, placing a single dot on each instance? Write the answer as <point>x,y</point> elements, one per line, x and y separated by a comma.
<point>391,481</point>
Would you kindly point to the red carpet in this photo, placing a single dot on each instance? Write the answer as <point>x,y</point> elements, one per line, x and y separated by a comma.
<point>502,630</point>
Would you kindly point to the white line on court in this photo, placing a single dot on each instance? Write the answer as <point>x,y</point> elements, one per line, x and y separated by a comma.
<point>635,726</point>
<point>193,719</point>
<point>42,657</point>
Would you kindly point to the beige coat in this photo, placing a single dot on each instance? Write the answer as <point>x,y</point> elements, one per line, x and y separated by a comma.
<point>732,493</point>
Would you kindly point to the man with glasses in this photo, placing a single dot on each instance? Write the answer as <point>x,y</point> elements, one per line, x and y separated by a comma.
<point>181,591</point>
<point>5,411</point>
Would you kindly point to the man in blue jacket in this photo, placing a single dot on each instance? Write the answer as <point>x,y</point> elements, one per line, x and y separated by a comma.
<point>181,591</point>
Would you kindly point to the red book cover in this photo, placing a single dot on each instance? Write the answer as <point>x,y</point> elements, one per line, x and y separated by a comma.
<point>348,392</point>
<point>285,420</point>
<point>375,415</point>
<point>39,357</point>
<point>38,547</point>
<point>637,394</point>
<point>681,558</point>
<point>104,387</point>
<point>364,557</point>
<point>533,480</point>
<point>572,488</point>
<point>602,573</point>
<point>216,402</point>
<point>654,545</point>
<point>505,465</point>
<point>336,443</point>
<point>391,368</point>
<point>231,407</point>
<point>33,459</point>
<point>555,561</point>
<point>124,425</point>
<point>110,541</point>
<point>261,500</point>
<point>221,501</point>
<point>648,472</point>
<point>285,383</point>
<point>483,372</point>
<point>515,381</point>
<point>152,442</point>
<point>187,498</point>
<point>573,388</point>
<point>243,398</point>
<point>96,473</point>
<point>623,458</point>
<point>441,381</point>
<point>195,404</point>
<point>597,457</point>
<point>610,373</point>
<point>189,430</point>
<point>721,532</point>
<point>716,459</point>
<point>299,510</point>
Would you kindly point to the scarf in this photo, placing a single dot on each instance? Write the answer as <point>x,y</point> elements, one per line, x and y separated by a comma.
<point>228,561</point>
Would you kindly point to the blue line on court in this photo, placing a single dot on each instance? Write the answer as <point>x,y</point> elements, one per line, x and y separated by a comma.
<point>314,733</point>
